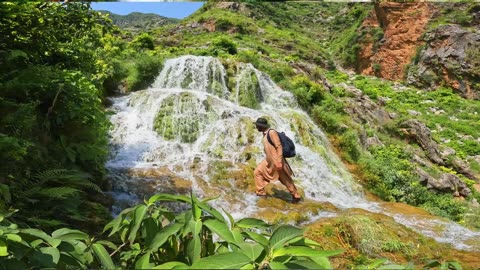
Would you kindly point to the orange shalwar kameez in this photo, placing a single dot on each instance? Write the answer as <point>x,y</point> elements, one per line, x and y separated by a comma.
<point>266,171</point>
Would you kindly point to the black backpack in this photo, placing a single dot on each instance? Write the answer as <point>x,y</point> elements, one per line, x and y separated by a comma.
<point>287,144</point>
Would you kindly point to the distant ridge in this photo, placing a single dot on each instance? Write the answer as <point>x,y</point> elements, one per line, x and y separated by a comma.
<point>137,21</point>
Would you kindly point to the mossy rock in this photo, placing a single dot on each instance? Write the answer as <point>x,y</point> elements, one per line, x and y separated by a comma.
<point>249,91</point>
<point>276,208</point>
<point>182,117</point>
<point>366,236</point>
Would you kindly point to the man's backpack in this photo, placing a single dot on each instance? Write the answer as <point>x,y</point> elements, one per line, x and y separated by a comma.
<point>287,144</point>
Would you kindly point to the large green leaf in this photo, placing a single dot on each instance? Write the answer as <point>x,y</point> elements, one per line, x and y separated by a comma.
<point>257,238</point>
<point>103,256</point>
<point>249,266</point>
<point>196,227</point>
<point>221,229</point>
<point>194,246</point>
<point>171,265</point>
<point>455,265</point>
<point>77,249</point>
<point>196,210</point>
<point>302,264</point>
<point>303,252</point>
<point>168,197</point>
<point>3,249</point>
<point>277,265</point>
<point>283,234</point>
<point>302,241</point>
<point>161,237</point>
<point>143,262</point>
<point>69,234</point>
<point>252,250</point>
<point>232,260</point>
<point>186,230</point>
<point>40,234</point>
<point>138,216</point>
<point>230,218</point>
<point>46,256</point>
<point>248,223</point>
<point>13,237</point>
<point>151,228</point>
<point>117,222</point>
<point>322,261</point>
<point>237,235</point>
<point>73,262</point>
<point>207,208</point>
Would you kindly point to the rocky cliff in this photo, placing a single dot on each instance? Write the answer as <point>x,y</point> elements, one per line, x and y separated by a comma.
<point>427,44</point>
<point>402,25</point>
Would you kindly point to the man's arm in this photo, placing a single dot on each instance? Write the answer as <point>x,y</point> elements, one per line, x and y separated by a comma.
<point>277,159</point>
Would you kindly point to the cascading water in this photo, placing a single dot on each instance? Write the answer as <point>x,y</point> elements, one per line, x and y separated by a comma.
<point>189,131</point>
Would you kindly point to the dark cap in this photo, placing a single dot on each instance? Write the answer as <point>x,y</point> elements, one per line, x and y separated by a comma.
<point>262,122</point>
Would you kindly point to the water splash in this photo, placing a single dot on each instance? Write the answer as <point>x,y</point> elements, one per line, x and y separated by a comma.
<point>193,132</point>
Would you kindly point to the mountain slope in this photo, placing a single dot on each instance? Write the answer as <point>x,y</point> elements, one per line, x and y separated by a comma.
<point>137,21</point>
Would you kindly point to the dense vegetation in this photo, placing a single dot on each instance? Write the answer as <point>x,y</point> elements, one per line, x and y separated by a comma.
<point>59,61</point>
<point>53,131</point>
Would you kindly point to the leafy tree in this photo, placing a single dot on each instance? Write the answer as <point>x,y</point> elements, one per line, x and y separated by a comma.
<point>51,73</point>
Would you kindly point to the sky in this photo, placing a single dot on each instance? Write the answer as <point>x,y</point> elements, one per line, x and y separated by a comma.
<point>178,10</point>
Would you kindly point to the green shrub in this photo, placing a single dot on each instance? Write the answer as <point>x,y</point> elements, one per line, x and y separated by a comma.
<point>248,56</point>
<point>307,92</point>
<point>350,145</point>
<point>224,44</point>
<point>143,72</point>
<point>446,206</point>
<point>392,175</point>
<point>142,42</point>
<point>330,121</point>
<point>119,73</point>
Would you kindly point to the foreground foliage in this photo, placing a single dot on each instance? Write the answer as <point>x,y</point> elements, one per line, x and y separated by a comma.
<point>153,237</point>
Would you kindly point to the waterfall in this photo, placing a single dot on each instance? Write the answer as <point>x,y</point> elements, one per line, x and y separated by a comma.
<point>191,131</point>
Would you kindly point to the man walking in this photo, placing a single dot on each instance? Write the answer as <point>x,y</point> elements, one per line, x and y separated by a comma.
<point>274,166</point>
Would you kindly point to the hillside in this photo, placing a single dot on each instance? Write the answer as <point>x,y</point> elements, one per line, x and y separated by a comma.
<point>138,22</point>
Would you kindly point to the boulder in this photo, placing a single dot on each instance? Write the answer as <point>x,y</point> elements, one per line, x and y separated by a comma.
<point>422,135</point>
<point>446,183</point>
<point>363,110</point>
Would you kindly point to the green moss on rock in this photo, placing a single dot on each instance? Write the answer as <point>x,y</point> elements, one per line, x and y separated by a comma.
<point>182,117</point>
